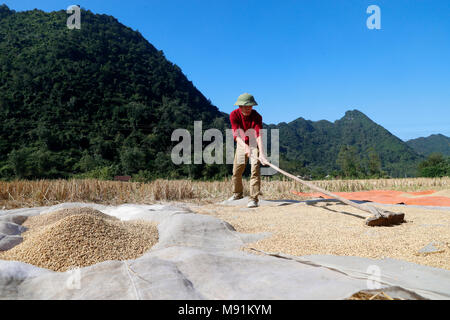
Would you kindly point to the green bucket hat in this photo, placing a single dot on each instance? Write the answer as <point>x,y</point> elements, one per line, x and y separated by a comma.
<point>246,99</point>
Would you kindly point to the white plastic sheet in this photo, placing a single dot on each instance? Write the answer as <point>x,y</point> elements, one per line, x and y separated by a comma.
<point>199,257</point>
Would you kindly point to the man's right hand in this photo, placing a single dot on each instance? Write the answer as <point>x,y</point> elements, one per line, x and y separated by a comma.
<point>247,150</point>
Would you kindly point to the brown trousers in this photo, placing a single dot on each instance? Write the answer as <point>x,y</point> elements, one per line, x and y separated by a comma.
<point>239,164</point>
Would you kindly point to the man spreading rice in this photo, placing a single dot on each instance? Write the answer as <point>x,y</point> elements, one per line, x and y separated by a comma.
<point>246,124</point>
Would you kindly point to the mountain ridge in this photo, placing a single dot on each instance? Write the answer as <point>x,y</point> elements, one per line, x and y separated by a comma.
<point>321,141</point>
<point>103,99</point>
<point>434,143</point>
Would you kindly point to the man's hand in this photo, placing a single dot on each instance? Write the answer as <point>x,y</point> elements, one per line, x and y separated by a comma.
<point>263,160</point>
<point>247,150</point>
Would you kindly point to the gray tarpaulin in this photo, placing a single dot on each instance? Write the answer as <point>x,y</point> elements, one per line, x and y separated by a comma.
<point>198,257</point>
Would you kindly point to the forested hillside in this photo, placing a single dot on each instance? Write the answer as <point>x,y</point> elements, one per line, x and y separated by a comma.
<point>99,99</point>
<point>435,143</point>
<point>103,101</point>
<point>322,147</point>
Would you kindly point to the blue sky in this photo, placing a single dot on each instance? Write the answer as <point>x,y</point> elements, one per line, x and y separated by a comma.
<point>304,58</point>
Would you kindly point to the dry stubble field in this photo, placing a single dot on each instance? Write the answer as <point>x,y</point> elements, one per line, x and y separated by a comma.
<point>23,193</point>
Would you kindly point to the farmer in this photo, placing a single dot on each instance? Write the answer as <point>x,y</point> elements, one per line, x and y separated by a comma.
<point>246,124</point>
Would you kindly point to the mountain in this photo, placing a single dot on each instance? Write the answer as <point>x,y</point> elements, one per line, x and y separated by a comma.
<point>101,96</point>
<point>435,143</point>
<point>316,144</point>
<point>103,101</point>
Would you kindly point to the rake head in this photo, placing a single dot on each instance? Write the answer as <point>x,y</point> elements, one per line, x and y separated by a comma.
<point>383,217</point>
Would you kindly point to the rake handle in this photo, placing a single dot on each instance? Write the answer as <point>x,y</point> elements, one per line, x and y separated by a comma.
<point>310,185</point>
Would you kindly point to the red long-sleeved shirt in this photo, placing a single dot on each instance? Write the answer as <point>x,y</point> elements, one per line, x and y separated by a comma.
<point>239,121</point>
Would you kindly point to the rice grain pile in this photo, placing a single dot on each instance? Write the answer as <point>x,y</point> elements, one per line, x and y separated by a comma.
<point>52,217</point>
<point>80,237</point>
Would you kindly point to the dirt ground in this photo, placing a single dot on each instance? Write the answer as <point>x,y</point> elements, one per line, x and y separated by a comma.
<point>336,229</point>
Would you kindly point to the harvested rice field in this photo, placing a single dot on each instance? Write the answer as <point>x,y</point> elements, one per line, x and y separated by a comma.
<point>336,229</point>
<point>25,193</point>
<point>79,237</point>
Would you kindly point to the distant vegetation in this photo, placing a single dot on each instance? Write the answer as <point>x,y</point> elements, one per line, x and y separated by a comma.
<point>353,146</point>
<point>435,143</point>
<point>95,102</point>
<point>436,165</point>
<point>102,101</point>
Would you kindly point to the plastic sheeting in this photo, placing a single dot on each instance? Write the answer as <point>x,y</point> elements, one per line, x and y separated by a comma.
<point>387,197</point>
<point>199,257</point>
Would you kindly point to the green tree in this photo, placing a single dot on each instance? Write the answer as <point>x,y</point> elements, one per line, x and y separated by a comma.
<point>374,165</point>
<point>434,166</point>
<point>348,161</point>
<point>42,163</point>
<point>18,161</point>
<point>89,162</point>
<point>132,160</point>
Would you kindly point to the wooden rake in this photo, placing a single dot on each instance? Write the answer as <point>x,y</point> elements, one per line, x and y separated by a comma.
<point>379,217</point>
